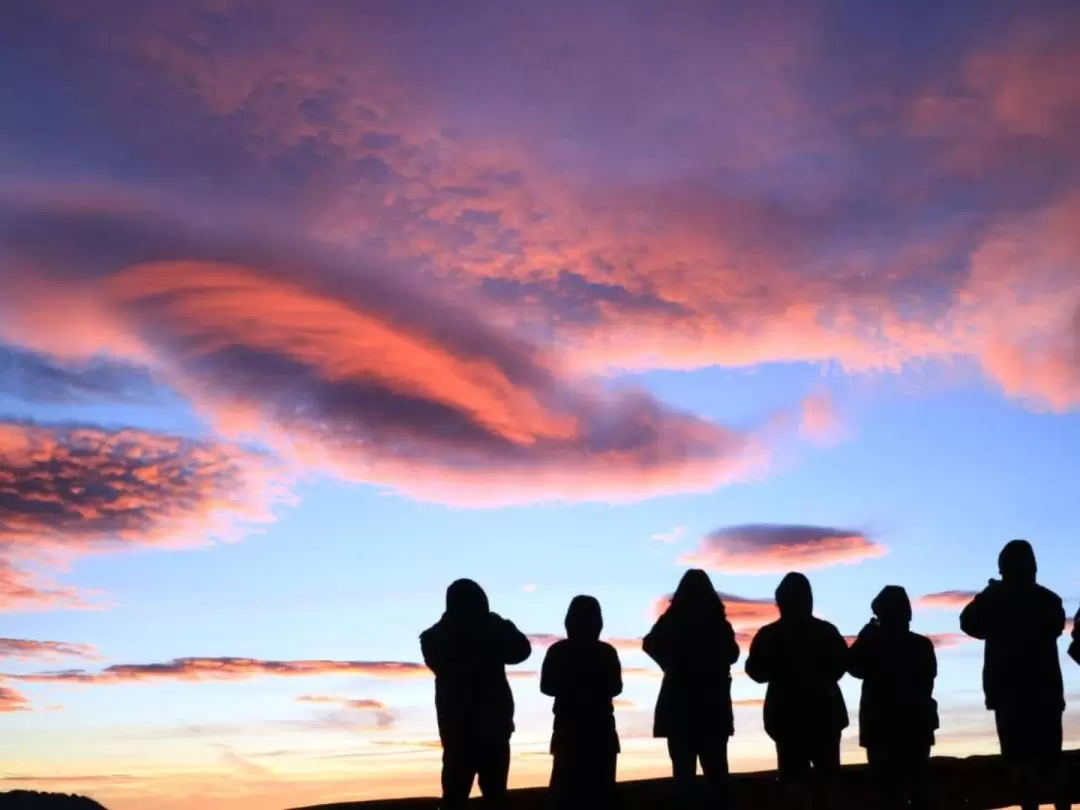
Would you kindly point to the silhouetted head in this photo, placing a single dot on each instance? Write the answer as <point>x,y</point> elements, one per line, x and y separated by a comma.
<point>584,621</point>
<point>466,601</point>
<point>695,595</point>
<point>1017,562</point>
<point>892,607</point>
<point>794,596</point>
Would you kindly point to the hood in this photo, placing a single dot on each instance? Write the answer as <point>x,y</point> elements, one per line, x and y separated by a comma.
<point>695,594</point>
<point>892,607</point>
<point>584,621</point>
<point>794,597</point>
<point>466,601</point>
<point>1017,563</point>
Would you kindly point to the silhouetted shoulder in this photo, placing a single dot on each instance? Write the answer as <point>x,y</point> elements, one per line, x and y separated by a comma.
<point>1074,648</point>
<point>759,661</point>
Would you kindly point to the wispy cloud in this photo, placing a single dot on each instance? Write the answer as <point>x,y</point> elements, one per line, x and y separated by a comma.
<point>228,669</point>
<point>27,650</point>
<point>672,536</point>
<point>383,717</point>
<point>772,548</point>
<point>945,600</point>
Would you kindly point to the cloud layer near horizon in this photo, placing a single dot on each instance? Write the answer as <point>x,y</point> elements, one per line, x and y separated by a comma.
<point>228,669</point>
<point>771,548</point>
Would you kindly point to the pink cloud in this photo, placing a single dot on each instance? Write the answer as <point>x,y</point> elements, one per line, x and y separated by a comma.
<point>945,600</point>
<point>768,548</point>
<point>26,650</point>
<point>818,419</point>
<point>945,641</point>
<point>547,639</point>
<point>349,369</point>
<point>70,490</point>
<point>384,718</point>
<point>12,701</point>
<point>229,669</point>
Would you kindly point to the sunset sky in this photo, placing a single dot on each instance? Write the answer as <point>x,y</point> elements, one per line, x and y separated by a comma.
<point>308,308</point>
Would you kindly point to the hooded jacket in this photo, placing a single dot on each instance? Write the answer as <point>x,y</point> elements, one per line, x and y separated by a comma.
<point>468,650</point>
<point>695,646</point>
<point>802,659</point>
<point>897,668</point>
<point>1020,621</point>
<point>583,674</point>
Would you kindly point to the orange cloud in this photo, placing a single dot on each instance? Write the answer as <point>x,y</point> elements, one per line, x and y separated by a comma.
<point>547,639</point>
<point>945,600</point>
<point>348,368</point>
<point>768,548</point>
<point>748,703</point>
<point>944,641</point>
<point>69,490</point>
<point>25,650</point>
<point>229,669</point>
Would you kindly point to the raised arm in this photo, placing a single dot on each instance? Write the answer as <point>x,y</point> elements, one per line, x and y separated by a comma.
<point>514,646</point>
<point>1074,648</point>
<point>759,663</point>
<point>836,658</point>
<point>858,658</point>
<point>975,619</point>
<point>433,651</point>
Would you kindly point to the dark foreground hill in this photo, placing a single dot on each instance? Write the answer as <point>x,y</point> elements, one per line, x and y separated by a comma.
<point>32,800</point>
<point>974,783</point>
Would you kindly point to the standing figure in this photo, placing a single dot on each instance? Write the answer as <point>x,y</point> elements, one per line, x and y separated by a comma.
<point>468,650</point>
<point>1021,621</point>
<point>802,659</point>
<point>694,644</point>
<point>583,674</point>
<point>897,713</point>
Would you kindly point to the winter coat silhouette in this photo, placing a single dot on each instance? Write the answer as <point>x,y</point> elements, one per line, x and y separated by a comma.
<point>897,714</point>
<point>1021,622</point>
<point>694,644</point>
<point>468,650</point>
<point>583,674</point>
<point>802,659</point>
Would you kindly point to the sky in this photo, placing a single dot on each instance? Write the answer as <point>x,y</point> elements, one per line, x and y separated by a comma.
<point>310,308</point>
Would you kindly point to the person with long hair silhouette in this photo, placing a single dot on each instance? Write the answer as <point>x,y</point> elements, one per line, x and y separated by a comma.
<point>468,650</point>
<point>694,644</point>
<point>583,674</point>
<point>802,659</point>
<point>1021,622</point>
<point>897,714</point>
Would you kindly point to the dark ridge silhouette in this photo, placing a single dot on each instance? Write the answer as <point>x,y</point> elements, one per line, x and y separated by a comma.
<point>1021,622</point>
<point>583,674</point>
<point>468,650</point>
<point>35,800</point>
<point>694,644</point>
<point>972,783</point>
<point>897,713</point>
<point>802,659</point>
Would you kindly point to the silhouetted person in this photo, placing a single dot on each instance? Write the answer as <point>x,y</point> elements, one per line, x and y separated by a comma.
<point>694,644</point>
<point>897,713</point>
<point>583,674</point>
<point>468,650</point>
<point>802,659</point>
<point>1021,622</point>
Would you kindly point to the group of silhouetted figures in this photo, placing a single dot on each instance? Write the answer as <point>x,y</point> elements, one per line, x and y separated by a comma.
<point>802,660</point>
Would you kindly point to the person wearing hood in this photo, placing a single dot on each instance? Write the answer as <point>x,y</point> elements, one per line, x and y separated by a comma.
<point>583,674</point>
<point>802,659</point>
<point>897,713</point>
<point>1020,622</point>
<point>468,650</point>
<point>695,646</point>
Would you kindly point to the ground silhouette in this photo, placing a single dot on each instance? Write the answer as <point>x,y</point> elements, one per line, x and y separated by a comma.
<point>33,800</point>
<point>972,783</point>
